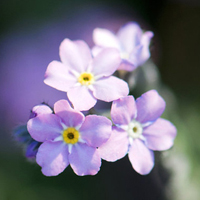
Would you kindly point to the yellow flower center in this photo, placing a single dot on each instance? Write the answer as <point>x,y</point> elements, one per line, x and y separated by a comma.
<point>70,135</point>
<point>86,78</point>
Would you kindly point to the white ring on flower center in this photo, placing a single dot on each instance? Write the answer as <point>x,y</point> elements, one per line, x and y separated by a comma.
<point>135,129</point>
<point>124,55</point>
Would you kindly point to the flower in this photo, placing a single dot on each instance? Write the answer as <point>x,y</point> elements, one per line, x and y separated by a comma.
<point>138,131</point>
<point>68,137</point>
<point>83,78</point>
<point>130,40</point>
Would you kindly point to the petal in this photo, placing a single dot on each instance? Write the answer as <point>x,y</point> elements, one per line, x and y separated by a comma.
<point>61,105</point>
<point>141,158</point>
<point>106,62</point>
<point>109,89</point>
<point>69,116</point>
<point>123,110</point>
<point>145,52</point>
<point>95,130</point>
<point>75,54</point>
<point>81,98</point>
<point>129,36</point>
<point>58,76</point>
<point>40,109</point>
<point>116,147</point>
<point>52,157</point>
<point>84,160</point>
<point>105,38</point>
<point>150,106</point>
<point>44,127</point>
<point>127,66</point>
<point>96,50</point>
<point>160,135</point>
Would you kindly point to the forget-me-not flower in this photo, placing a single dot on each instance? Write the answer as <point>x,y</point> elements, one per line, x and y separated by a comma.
<point>138,131</point>
<point>130,40</point>
<point>69,138</point>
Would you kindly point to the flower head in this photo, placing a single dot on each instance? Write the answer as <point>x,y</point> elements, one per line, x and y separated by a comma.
<point>83,78</point>
<point>138,131</point>
<point>69,138</point>
<point>130,40</point>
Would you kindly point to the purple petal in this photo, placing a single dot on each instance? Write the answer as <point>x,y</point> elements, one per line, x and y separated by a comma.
<point>62,105</point>
<point>69,116</point>
<point>129,36</point>
<point>75,54</point>
<point>40,109</point>
<point>81,98</point>
<point>95,130</point>
<point>109,89</point>
<point>160,135</point>
<point>123,110</point>
<point>96,50</point>
<point>150,106</point>
<point>105,38</point>
<point>116,147</point>
<point>127,65</point>
<point>84,160</point>
<point>145,42</point>
<point>52,157</point>
<point>106,62</point>
<point>58,76</point>
<point>44,127</point>
<point>141,158</point>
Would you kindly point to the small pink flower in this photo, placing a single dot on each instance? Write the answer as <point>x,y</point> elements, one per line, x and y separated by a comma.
<point>86,79</point>
<point>69,138</point>
<point>138,131</point>
<point>130,40</point>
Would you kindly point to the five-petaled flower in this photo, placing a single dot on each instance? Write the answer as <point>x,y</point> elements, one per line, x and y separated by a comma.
<point>68,137</point>
<point>138,131</point>
<point>86,79</point>
<point>130,40</point>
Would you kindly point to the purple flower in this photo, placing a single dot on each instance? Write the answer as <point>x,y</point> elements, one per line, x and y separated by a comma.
<point>69,138</point>
<point>130,40</point>
<point>138,131</point>
<point>83,78</point>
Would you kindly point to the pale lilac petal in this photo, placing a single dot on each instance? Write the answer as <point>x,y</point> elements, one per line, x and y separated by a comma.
<point>44,127</point>
<point>62,105</point>
<point>141,158</point>
<point>84,160</point>
<point>123,110</point>
<point>69,116</point>
<point>52,157</point>
<point>116,147</point>
<point>106,62</point>
<point>127,66</point>
<point>129,36</point>
<point>96,50</point>
<point>75,54</point>
<point>134,56</point>
<point>41,109</point>
<point>160,135</point>
<point>58,76</point>
<point>105,38</point>
<point>96,130</point>
<point>145,52</point>
<point>81,98</point>
<point>150,106</point>
<point>109,89</point>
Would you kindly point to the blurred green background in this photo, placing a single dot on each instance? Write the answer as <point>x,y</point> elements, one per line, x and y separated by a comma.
<point>175,51</point>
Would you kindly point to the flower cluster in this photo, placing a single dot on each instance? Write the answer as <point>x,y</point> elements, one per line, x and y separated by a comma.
<point>64,136</point>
